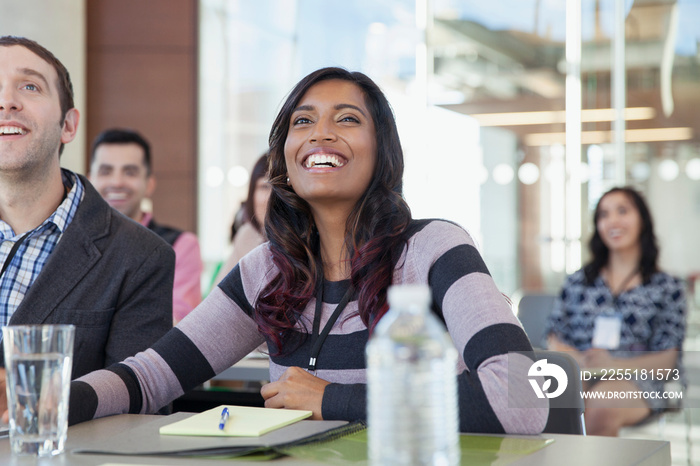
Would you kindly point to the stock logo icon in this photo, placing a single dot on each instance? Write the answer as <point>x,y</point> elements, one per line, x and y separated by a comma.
<point>549,371</point>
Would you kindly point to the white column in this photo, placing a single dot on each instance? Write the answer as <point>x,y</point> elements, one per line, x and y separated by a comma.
<point>619,90</point>
<point>573,135</point>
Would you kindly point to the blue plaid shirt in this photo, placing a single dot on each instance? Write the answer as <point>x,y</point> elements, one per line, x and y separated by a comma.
<point>34,252</point>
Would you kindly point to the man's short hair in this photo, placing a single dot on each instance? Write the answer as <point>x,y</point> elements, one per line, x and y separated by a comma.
<point>64,85</point>
<point>123,136</point>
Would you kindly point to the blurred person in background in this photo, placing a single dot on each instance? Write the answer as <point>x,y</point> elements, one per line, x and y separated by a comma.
<point>121,169</point>
<point>618,305</point>
<point>248,227</point>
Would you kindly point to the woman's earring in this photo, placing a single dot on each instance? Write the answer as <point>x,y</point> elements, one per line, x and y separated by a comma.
<point>288,182</point>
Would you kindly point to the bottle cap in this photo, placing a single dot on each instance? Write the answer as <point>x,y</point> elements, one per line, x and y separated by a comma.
<point>409,295</point>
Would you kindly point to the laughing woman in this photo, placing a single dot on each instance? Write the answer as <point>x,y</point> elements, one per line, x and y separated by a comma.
<point>339,234</point>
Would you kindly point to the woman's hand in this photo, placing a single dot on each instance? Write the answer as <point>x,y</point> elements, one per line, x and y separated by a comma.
<point>296,389</point>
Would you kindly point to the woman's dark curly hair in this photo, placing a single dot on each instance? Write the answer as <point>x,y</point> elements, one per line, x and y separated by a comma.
<point>648,263</point>
<point>374,230</point>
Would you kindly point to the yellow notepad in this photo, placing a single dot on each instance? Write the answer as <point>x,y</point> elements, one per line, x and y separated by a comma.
<point>243,421</point>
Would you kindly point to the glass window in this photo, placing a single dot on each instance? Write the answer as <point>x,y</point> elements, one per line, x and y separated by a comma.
<point>479,90</point>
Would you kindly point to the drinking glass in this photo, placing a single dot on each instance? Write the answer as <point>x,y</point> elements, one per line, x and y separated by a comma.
<point>38,361</point>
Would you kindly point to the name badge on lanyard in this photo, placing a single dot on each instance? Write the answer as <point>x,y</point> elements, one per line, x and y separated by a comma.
<point>606,332</point>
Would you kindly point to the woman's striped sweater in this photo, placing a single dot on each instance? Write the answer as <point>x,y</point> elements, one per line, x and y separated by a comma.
<point>492,383</point>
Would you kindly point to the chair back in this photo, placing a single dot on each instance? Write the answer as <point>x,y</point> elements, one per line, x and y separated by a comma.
<point>533,310</point>
<point>566,410</point>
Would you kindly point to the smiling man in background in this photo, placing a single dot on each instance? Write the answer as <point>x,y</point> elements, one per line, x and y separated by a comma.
<point>66,256</point>
<point>122,172</point>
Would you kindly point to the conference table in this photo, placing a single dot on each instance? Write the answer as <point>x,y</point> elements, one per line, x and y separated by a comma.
<point>571,450</point>
<point>249,369</point>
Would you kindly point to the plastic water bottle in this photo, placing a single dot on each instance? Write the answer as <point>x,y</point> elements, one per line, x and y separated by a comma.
<point>412,385</point>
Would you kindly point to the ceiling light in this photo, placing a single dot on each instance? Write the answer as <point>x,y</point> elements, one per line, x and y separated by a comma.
<point>528,173</point>
<point>238,176</point>
<point>503,174</point>
<point>601,137</point>
<point>692,169</point>
<point>668,170</point>
<point>214,177</point>
<point>559,116</point>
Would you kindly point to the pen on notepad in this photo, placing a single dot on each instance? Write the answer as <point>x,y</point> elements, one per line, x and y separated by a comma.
<point>224,418</point>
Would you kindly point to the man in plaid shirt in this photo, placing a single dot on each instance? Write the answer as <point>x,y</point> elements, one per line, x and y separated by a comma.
<point>66,256</point>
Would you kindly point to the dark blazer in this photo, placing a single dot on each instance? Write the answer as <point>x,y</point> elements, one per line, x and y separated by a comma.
<point>111,278</point>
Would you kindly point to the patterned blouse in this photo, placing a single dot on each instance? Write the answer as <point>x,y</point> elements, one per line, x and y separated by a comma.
<point>653,316</point>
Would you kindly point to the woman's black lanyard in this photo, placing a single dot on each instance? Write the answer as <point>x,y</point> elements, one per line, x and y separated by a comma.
<point>319,339</point>
<point>12,253</point>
